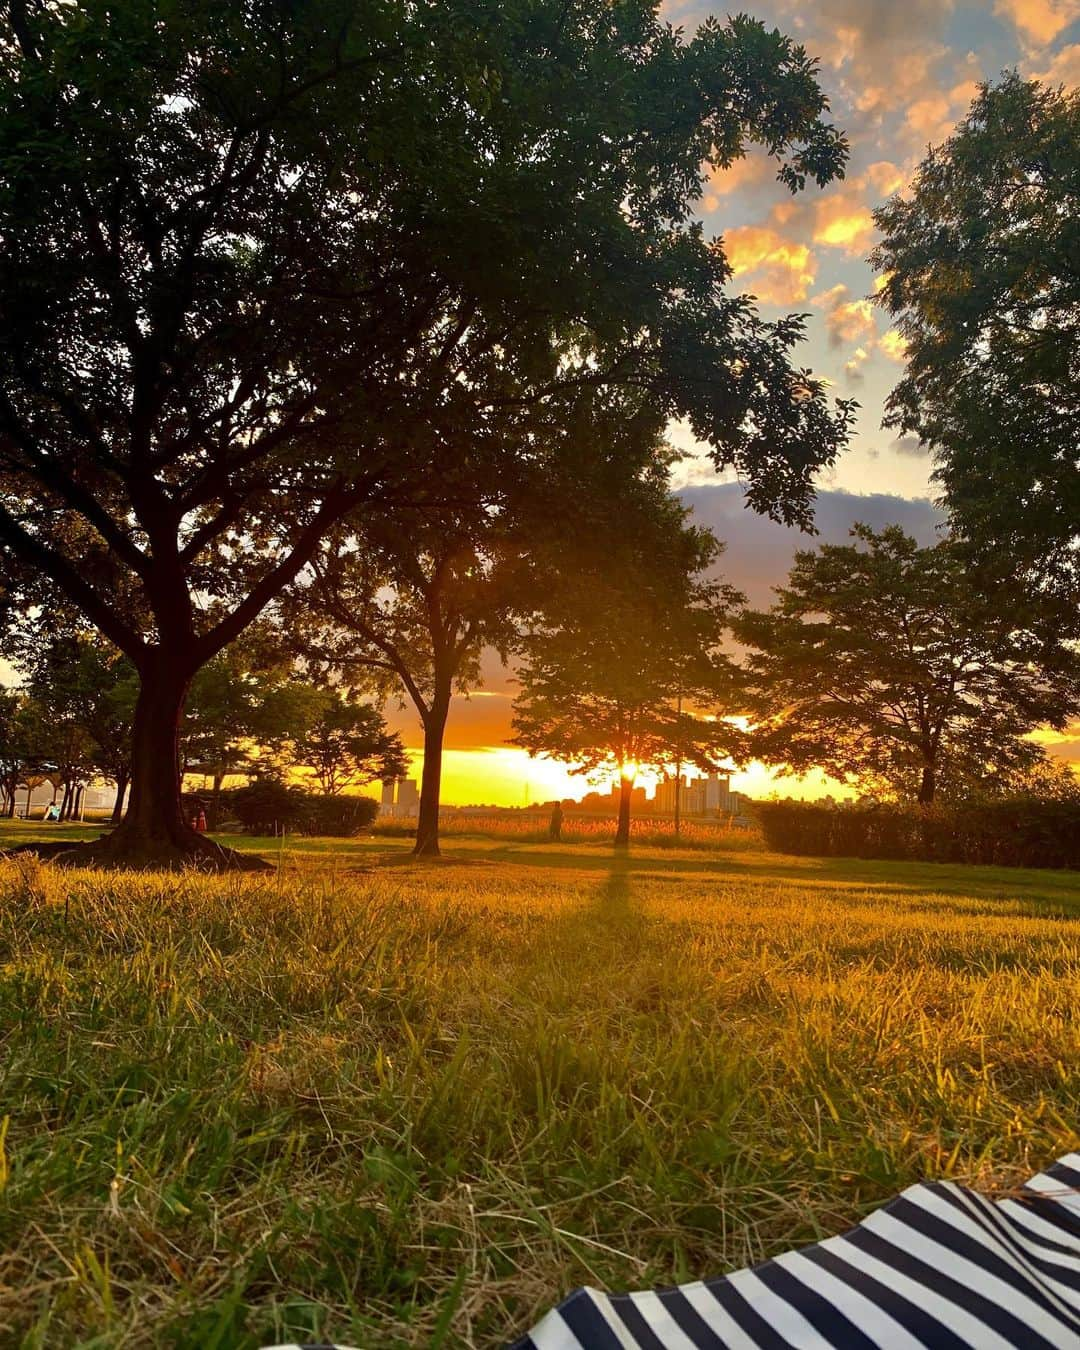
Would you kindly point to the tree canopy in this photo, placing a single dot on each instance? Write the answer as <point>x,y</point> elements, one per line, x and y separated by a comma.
<point>634,633</point>
<point>905,668</point>
<point>979,266</point>
<point>240,302</point>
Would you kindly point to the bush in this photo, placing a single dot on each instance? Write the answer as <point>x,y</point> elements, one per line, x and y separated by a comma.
<point>1010,832</point>
<point>267,806</point>
<point>341,817</point>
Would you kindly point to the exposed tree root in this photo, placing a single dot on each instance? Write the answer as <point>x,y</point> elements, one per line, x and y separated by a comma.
<point>114,852</point>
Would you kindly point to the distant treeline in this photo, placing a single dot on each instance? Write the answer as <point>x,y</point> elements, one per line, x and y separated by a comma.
<point>1012,832</point>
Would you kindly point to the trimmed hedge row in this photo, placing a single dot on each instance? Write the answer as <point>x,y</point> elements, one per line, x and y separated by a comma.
<point>269,807</point>
<point>1012,832</point>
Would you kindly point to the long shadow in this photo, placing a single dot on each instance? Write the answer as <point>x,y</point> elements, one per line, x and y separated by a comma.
<point>1059,890</point>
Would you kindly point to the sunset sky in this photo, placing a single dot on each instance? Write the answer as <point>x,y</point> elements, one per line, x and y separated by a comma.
<point>899,76</point>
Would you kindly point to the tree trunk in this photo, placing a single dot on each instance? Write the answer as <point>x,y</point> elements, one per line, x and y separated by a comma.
<point>928,785</point>
<point>153,832</point>
<point>121,792</point>
<point>622,832</point>
<point>427,821</point>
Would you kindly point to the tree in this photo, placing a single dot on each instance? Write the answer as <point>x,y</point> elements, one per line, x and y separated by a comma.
<point>348,745</point>
<point>633,635</point>
<point>246,706</point>
<point>887,663</point>
<point>239,305</point>
<point>979,266</point>
<point>84,684</point>
<point>409,606</point>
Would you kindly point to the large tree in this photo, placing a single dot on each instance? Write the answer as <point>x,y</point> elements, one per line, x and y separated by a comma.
<point>980,264</point>
<point>905,668</point>
<point>265,265</point>
<point>623,671</point>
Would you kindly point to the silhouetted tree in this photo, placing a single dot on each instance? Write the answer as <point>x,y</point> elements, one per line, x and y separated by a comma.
<point>239,303</point>
<point>347,745</point>
<point>635,625</point>
<point>887,663</point>
<point>979,265</point>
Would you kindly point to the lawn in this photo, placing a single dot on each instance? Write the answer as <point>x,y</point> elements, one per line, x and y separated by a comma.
<point>413,1105</point>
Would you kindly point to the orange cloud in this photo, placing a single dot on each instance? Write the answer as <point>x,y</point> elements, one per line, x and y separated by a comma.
<point>847,320</point>
<point>886,177</point>
<point>933,118</point>
<point>853,368</point>
<point>752,171</point>
<point>1064,68</point>
<point>843,221</point>
<point>1039,21</point>
<point>782,270</point>
<point>894,345</point>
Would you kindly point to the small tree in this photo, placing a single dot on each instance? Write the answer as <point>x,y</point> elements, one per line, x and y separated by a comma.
<point>903,667</point>
<point>85,684</point>
<point>979,266</point>
<point>347,745</point>
<point>632,634</point>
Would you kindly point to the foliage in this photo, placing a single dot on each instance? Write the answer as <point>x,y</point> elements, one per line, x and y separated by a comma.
<point>346,744</point>
<point>906,668</point>
<point>1002,832</point>
<point>632,634</point>
<point>239,304</point>
<point>978,264</point>
<point>267,806</point>
<point>86,690</point>
<point>488,1084</point>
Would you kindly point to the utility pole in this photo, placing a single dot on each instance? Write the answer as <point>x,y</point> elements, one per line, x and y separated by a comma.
<point>678,759</point>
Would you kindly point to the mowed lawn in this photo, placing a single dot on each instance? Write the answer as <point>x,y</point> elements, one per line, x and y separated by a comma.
<point>414,1105</point>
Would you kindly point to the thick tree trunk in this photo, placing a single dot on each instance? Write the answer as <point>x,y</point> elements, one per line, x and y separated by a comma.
<point>153,832</point>
<point>928,785</point>
<point>622,832</point>
<point>121,793</point>
<point>427,821</point>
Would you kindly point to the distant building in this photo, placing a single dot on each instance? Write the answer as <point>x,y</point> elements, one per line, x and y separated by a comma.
<point>698,796</point>
<point>400,798</point>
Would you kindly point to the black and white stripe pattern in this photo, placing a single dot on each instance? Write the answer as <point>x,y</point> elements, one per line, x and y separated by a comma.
<point>938,1268</point>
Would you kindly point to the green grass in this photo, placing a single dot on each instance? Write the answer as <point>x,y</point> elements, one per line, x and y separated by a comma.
<point>412,1105</point>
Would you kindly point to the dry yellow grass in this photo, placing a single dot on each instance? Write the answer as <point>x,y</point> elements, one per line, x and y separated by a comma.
<point>410,1105</point>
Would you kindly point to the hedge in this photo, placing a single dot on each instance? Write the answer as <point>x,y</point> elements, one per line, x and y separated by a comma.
<point>269,807</point>
<point>1011,832</point>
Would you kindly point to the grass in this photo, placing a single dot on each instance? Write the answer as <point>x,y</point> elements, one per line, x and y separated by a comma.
<point>413,1105</point>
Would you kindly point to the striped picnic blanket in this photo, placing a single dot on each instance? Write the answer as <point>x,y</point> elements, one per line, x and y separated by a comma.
<point>938,1268</point>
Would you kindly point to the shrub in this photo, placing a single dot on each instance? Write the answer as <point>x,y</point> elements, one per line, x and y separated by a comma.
<point>267,806</point>
<point>1010,832</point>
<point>341,817</point>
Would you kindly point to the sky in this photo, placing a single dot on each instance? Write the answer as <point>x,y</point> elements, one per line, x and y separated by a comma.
<point>899,74</point>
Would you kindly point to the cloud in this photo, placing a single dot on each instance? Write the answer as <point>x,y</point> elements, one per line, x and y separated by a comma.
<point>759,552</point>
<point>1064,68</point>
<point>754,170</point>
<point>933,117</point>
<point>842,220</point>
<point>886,177</point>
<point>780,271</point>
<point>853,367</point>
<point>1039,21</point>
<point>894,345</point>
<point>910,447</point>
<point>846,320</point>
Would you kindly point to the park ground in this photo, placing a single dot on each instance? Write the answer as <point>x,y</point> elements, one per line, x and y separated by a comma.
<point>408,1104</point>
